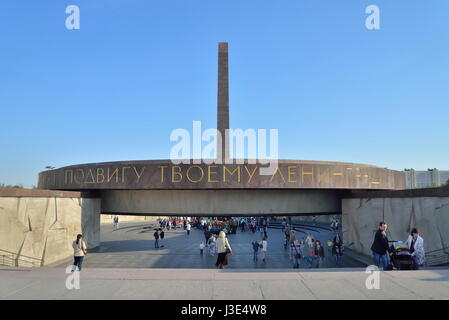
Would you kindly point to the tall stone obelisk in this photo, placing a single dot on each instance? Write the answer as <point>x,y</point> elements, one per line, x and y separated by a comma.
<point>223,97</point>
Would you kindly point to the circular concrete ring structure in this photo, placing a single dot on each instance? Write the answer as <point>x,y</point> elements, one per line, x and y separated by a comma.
<point>159,187</point>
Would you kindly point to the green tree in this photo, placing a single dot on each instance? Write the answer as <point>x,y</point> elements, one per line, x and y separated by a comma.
<point>2,185</point>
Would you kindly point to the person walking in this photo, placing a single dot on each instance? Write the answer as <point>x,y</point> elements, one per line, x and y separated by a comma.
<point>223,248</point>
<point>301,247</point>
<point>292,240</point>
<point>296,253</point>
<point>337,225</point>
<point>80,251</point>
<point>203,222</point>
<point>115,222</point>
<point>415,244</point>
<point>207,235</point>
<point>156,239</point>
<point>212,246</point>
<point>283,225</point>
<point>265,231</point>
<point>310,241</point>
<point>319,253</point>
<point>256,246</point>
<point>337,244</point>
<point>380,246</point>
<point>310,254</point>
<point>264,249</point>
<point>287,236</point>
<point>188,227</point>
<point>161,237</point>
<point>202,247</point>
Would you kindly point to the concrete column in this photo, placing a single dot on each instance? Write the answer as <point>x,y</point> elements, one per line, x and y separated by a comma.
<point>223,97</point>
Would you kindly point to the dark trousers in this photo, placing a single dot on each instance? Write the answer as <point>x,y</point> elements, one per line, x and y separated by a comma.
<point>383,257</point>
<point>415,263</point>
<point>296,261</point>
<point>78,263</point>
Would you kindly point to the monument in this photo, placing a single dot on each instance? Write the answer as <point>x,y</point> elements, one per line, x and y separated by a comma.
<point>159,187</point>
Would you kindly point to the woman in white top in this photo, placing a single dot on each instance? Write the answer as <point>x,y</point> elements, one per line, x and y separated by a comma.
<point>79,252</point>
<point>416,245</point>
<point>264,248</point>
<point>310,241</point>
<point>223,248</point>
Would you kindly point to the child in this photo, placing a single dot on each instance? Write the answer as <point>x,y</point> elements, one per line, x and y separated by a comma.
<point>202,247</point>
<point>212,246</point>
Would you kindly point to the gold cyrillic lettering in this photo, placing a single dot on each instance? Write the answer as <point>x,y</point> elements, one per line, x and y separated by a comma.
<point>137,174</point>
<point>195,181</point>
<point>251,174</point>
<point>225,169</point>
<point>209,172</point>
<point>162,172</point>
<point>114,173</point>
<point>177,173</point>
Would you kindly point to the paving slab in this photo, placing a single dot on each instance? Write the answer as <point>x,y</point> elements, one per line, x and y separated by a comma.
<point>213,284</point>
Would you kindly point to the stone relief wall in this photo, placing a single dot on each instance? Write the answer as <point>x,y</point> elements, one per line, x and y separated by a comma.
<point>318,219</point>
<point>361,217</point>
<point>37,231</point>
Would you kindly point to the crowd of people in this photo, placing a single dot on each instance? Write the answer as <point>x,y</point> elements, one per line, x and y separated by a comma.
<point>307,249</point>
<point>310,250</point>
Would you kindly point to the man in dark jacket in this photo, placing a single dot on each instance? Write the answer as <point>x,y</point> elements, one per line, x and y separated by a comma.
<point>207,235</point>
<point>380,246</point>
<point>156,238</point>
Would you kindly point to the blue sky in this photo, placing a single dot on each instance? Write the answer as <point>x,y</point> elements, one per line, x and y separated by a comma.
<point>137,69</point>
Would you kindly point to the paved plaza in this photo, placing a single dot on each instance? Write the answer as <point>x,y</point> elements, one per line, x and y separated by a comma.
<point>132,246</point>
<point>210,284</point>
<point>127,266</point>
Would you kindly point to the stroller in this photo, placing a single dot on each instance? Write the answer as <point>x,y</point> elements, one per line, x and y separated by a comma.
<point>401,259</point>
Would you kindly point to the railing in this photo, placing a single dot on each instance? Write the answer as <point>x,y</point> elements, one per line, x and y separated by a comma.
<point>11,259</point>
